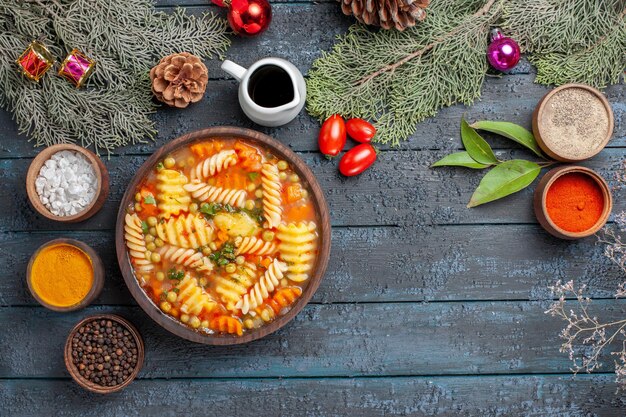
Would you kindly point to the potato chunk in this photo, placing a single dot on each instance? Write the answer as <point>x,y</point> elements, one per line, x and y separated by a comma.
<point>236,224</point>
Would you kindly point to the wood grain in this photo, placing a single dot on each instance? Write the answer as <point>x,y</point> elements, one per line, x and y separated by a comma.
<point>391,264</point>
<point>511,396</point>
<point>390,339</point>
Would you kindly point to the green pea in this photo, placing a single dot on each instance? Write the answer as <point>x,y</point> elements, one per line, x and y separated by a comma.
<point>138,197</point>
<point>152,221</point>
<point>193,208</point>
<point>160,276</point>
<point>230,268</point>
<point>169,162</point>
<point>282,165</point>
<point>240,260</point>
<point>151,246</point>
<point>267,236</point>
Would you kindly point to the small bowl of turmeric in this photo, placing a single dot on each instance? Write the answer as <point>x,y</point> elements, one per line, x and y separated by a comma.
<point>572,202</point>
<point>65,275</point>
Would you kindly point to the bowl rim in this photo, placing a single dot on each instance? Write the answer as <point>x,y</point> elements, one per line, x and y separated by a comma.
<point>98,274</point>
<point>33,172</point>
<point>324,228</point>
<point>557,173</point>
<point>85,383</point>
<point>539,113</point>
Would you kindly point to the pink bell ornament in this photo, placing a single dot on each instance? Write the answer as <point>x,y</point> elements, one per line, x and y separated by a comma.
<point>503,53</point>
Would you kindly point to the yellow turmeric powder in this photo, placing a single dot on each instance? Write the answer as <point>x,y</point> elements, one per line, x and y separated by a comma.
<point>62,275</point>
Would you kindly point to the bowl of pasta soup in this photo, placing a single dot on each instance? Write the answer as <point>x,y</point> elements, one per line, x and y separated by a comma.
<point>223,235</point>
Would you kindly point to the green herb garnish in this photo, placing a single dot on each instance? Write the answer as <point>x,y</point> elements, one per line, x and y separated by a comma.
<point>149,199</point>
<point>175,275</point>
<point>160,166</point>
<point>253,176</point>
<point>144,227</point>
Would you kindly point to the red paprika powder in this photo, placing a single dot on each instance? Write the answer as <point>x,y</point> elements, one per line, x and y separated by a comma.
<point>575,202</point>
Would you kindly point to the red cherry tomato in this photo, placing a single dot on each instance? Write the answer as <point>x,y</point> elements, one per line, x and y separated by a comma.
<point>332,136</point>
<point>357,160</point>
<point>360,130</point>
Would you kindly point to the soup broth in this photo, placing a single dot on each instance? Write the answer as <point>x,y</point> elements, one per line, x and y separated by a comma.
<point>222,236</point>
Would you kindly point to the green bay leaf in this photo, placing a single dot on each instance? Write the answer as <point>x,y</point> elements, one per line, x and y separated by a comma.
<point>507,178</point>
<point>476,146</point>
<point>511,131</point>
<point>459,159</point>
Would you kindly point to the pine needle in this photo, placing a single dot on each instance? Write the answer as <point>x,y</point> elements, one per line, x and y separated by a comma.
<point>398,79</point>
<point>126,38</point>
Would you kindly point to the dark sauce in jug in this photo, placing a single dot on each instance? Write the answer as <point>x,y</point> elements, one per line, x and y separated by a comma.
<point>270,86</point>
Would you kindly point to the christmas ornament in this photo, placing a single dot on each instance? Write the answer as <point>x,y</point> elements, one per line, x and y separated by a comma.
<point>388,14</point>
<point>503,53</point>
<point>77,67</point>
<point>247,17</point>
<point>35,61</point>
<point>179,79</point>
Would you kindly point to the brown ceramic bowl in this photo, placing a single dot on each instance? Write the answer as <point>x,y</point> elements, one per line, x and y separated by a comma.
<point>541,212</point>
<point>85,383</point>
<point>540,113</point>
<point>98,275</point>
<point>317,196</point>
<point>102,176</point>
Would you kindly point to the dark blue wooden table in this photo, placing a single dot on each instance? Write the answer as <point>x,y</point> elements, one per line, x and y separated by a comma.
<point>427,307</point>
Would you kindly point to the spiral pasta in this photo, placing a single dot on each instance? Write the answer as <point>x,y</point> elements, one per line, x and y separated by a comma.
<point>186,257</point>
<point>194,300</point>
<point>208,193</point>
<point>262,289</point>
<point>135,243</point>
<point>297,247</point>
<point>284,298</point>
<point>226,324</point>
<point>232,287</point>
<point>270,181</point>
<point>186,231</point>
<point>254,246</point>
<point>171,197</point>
<point>214,164</point>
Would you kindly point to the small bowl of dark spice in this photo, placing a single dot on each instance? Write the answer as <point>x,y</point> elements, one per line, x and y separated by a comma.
<point>573,122</point>
<point>572,202</point>
<point>104,353</point>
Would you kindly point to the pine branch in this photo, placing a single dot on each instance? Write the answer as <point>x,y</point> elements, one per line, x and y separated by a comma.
<point>598,65</point>
<point>400,78</point>
<point>126,39</point>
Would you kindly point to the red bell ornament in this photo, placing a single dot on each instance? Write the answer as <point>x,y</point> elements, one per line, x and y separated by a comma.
<point>247,17</point>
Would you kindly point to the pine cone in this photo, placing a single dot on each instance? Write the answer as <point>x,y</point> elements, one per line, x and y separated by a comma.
<point>400,14</point>
<point>179,79</point>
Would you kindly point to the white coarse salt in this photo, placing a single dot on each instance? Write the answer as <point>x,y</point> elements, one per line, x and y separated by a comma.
<point>67,183</point>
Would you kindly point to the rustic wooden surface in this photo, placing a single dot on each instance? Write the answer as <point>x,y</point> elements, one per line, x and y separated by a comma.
<point>428,308</point>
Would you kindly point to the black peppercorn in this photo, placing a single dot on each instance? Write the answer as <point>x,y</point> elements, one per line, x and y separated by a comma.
<point>92,353</point>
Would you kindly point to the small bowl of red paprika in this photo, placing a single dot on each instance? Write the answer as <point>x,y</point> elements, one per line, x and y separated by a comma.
<point>572,202</point>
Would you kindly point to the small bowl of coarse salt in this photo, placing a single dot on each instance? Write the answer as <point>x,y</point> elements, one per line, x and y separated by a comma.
<point>67,183</point>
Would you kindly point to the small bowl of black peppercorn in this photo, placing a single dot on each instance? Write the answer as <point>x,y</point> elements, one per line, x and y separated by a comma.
<point>104,353</point>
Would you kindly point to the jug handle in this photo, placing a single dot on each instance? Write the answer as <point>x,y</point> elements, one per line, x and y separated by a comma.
<point>233,69</point>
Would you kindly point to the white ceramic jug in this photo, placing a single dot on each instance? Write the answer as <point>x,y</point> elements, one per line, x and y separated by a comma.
<point>271,92</point>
